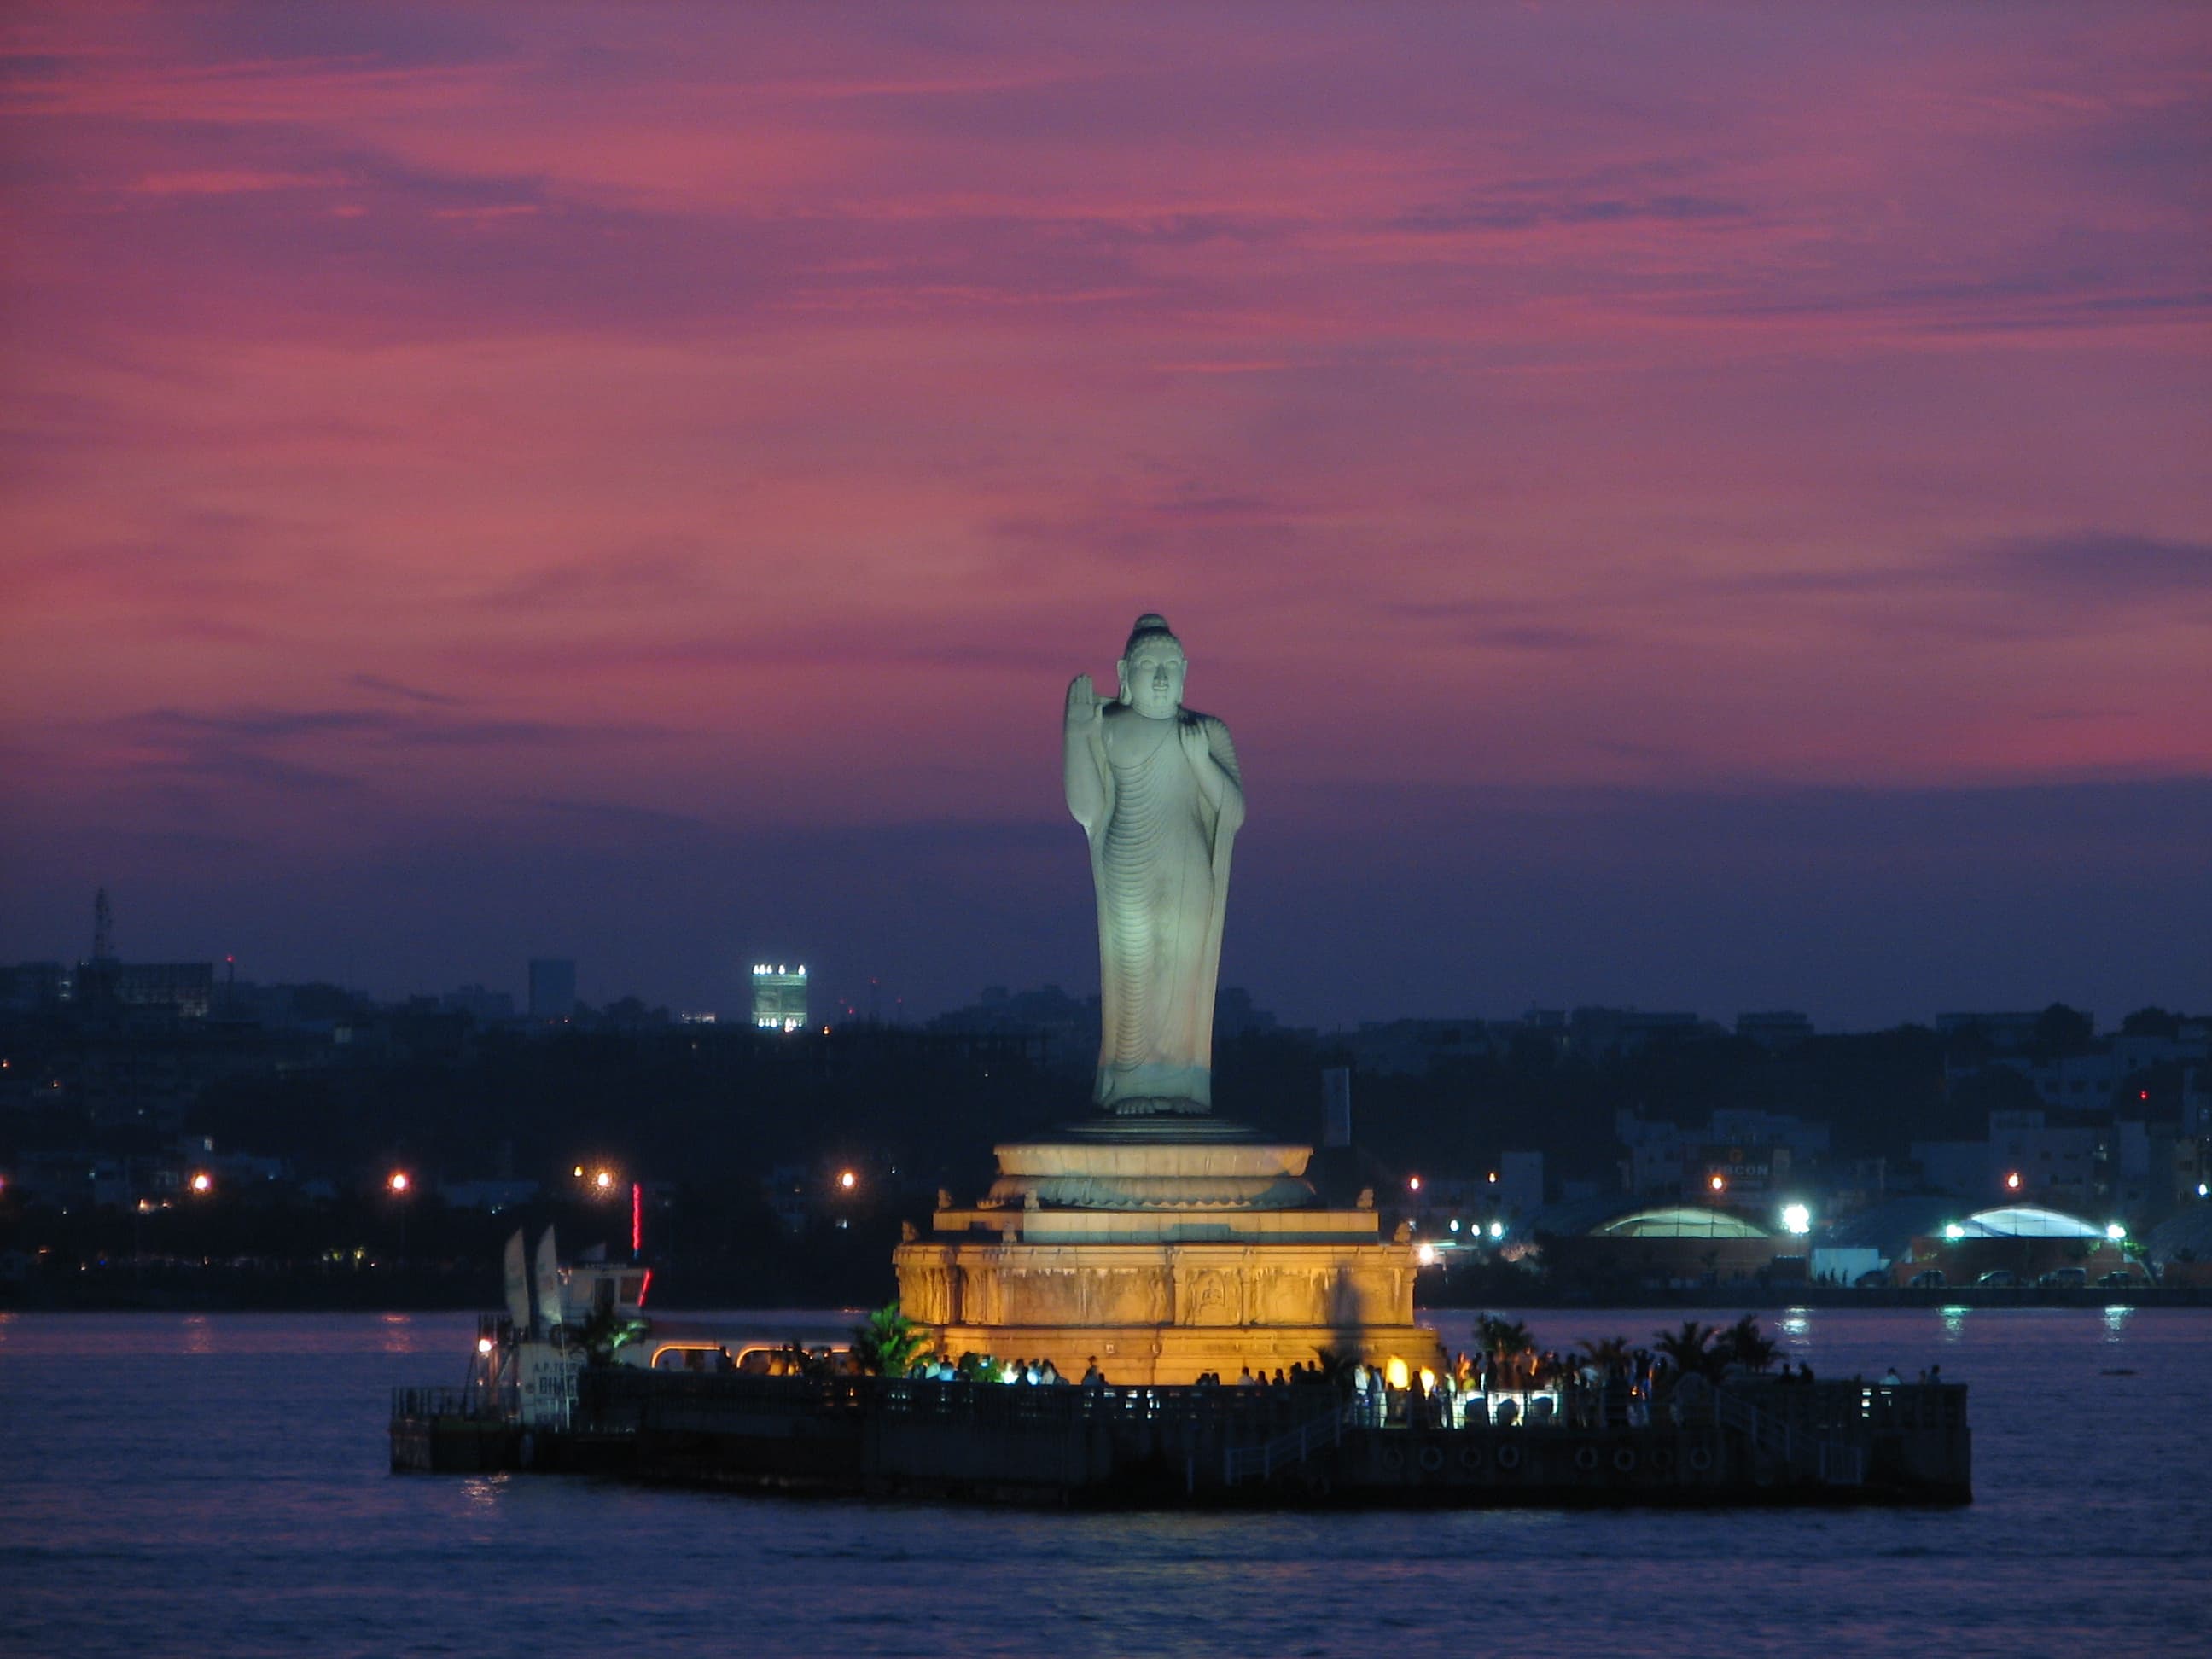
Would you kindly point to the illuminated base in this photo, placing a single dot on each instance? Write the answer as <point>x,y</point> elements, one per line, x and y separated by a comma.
<point>1163,1255</point>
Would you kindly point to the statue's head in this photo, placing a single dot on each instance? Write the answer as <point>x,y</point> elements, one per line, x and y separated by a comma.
<point>1152,668</point>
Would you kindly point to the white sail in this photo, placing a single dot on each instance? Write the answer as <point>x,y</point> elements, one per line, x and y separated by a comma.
<point>518,1283</point>
<point>548,1282</point>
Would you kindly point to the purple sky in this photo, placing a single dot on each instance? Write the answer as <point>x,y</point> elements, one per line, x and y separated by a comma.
<point>1688,506</point>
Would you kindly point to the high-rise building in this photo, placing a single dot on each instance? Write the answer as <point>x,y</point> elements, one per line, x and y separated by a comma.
<point>779,997</point>
<point>552,988</point>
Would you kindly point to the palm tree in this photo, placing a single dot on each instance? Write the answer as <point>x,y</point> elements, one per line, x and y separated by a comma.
<point>1604,1352</point>
<point>1690,1349</point>
<point>1334,1367</point>
<point>887,1343</point>
<point>1743,1344</point>
<point>1502,1338</point>
<point>605,1332</point>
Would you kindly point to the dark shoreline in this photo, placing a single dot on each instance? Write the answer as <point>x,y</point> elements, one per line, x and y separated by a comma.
<point>476,1293</point>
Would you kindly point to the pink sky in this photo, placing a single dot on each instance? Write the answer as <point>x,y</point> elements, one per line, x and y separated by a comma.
<point>482,480</point>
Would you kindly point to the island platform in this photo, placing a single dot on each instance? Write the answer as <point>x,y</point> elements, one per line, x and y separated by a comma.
<point>1754,1441</point>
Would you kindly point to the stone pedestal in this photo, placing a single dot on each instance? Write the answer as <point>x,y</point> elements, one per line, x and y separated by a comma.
<point>1163,1250</point>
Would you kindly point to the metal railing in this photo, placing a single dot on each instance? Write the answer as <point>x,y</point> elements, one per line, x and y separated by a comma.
<point>1833,1463</point>
<point>1285,1450</point>
<point>474,1403</point>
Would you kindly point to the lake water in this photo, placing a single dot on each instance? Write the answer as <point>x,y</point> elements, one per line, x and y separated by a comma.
<point>188,1484</point>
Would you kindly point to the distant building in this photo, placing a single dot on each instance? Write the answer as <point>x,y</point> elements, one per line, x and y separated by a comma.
<point>2053,1162</point>
<point>1774,1030</point>
<point>779,997</point>
<point>2006,1031</point>
<point>1234,1014</point>
<point>1336,1106</point>
<point>552,988</point>
<point>1413,1047</point>
<point>34,985</point>
<point>487,1008</point>
<point>184,988</point>
<point>1616,1033</point>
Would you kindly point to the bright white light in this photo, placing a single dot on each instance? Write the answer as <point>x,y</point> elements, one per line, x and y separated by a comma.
<point>203,1182</point>
<point>1455,1226</point>
<point>399,1182</point>
<point>603,1179</point>
<point>483,1344</point>
<point>1797,1219</point>
<point>1953,1229</point>
<point>2115,1232</point>
<point>847,1180</point>
<point>1426,1255</point>
<point>2205,1189</point>
<point>1413,1184</point>
<point>1498,1230</point>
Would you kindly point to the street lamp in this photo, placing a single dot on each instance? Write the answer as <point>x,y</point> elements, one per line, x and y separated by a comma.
<point>847,1181</point>
<point>203,1182</point>
<point>1797,1219</point>
<point>399,1183</point>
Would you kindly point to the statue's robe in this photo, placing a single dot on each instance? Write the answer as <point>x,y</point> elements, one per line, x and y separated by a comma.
<point>1159,862</point>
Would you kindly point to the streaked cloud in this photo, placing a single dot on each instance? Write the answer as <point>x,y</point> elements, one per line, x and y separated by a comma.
<point>754,417</point>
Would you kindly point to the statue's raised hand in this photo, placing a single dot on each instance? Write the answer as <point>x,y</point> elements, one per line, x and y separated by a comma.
<point>1083,704</point>
<point>1195,749</point>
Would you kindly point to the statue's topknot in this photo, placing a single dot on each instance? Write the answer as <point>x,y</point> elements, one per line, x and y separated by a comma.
<point>1150,626</point>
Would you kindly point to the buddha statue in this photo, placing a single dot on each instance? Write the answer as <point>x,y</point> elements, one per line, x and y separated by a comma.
<point>1155,788</point>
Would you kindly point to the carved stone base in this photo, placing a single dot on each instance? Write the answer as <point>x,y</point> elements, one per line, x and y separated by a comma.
<point>1161,1309</point>
<point>1164,1248</point>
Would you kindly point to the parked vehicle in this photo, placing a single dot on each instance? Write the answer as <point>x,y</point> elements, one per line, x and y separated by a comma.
<point>1999,1279</point>
<point>2064,1279</point>
<point>1929,1279</point>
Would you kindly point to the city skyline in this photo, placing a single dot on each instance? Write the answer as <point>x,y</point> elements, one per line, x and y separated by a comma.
<point>1680,509</point>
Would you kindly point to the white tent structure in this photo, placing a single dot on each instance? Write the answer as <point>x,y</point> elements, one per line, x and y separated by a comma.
<point>2024,1221</point>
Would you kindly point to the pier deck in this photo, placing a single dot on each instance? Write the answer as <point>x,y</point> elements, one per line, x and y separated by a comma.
<point>1756,1442</point>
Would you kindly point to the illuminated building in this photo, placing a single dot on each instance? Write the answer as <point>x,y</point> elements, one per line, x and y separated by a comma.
<point>779,997</point>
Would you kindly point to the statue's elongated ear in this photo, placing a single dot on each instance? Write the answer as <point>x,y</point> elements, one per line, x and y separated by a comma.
<point>1121,673</point>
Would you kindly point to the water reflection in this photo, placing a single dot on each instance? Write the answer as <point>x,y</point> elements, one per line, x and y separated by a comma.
<point>199,1335</point>
<point>1954,1324</point>
<point>399,1333</point>
<point>2116,1323</point>
<point>483,1491</point>
<point>1797,1328</point>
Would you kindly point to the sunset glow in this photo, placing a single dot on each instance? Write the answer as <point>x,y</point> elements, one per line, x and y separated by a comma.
<point>1714,500</point>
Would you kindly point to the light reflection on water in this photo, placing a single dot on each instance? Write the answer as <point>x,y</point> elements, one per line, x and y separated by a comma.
<point>166,1472</point>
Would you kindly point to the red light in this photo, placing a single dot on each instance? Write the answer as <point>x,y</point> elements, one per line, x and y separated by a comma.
<point>636,1218</point>
<point>644,1284</point>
